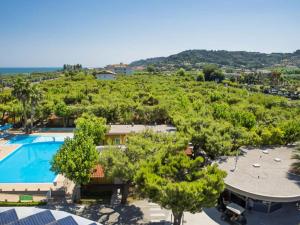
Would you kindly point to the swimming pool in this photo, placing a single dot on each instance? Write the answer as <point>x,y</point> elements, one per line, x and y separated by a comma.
<point>28,139</point>
<point>30,163</point>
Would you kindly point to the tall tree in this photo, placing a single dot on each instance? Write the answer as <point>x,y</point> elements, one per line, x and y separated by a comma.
<point>179,183</point>
<point>276,76</point>
<point>35,96</point>
<point>21,91</point>
<point>75,159</point>
<point>213,73</point>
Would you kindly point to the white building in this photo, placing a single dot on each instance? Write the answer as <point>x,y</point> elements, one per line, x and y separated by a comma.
<point>120,69</point>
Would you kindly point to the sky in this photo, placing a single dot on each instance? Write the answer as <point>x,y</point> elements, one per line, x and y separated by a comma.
<point>35,33</point>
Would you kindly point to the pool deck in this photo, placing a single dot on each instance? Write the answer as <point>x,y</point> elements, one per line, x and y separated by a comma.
<point>33,186</point>
<point>6,150</point>
<point>11,191</point>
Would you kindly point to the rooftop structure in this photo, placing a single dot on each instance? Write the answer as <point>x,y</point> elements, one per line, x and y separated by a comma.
<point>37,216</point>
<point>127,129</point>
<point>263,174</point>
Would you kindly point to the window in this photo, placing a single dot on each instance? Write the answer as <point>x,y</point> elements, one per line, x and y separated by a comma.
<point>117,141</point>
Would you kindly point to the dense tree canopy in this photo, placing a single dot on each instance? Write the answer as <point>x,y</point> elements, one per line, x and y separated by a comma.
<point>195,108</point>
<point>124,163</point>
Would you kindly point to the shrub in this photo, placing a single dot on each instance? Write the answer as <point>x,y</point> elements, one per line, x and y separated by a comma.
<point>22,203</point>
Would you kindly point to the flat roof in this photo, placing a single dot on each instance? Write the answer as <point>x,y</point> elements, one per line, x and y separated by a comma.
<point>263,174</point>
<point>126,129</point>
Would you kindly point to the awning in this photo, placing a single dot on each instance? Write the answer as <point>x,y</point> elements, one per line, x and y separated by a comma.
<point>235,208</point>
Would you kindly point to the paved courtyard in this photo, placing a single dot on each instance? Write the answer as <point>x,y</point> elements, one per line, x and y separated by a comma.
<point>140,212</point>
<point>145,213</point>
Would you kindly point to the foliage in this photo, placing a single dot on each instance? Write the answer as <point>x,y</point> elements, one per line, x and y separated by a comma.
<point>35,96</point>
<point>76,158</point>
<point>200,110</point>
<point>124,164</point>
<point>8,80</point>
<point>61,109</point>
<point>201,77</point>
<point>181,72</point>
<point>150,69</point>
<point>296,156</point>
<point>92,126</point>
<point>213,73</point>
<point>68,67</point>
<point>179,183</point>
<point>116,164</point>
<point>3,204</point>
<point>291,131</point>
<point>271,134</point>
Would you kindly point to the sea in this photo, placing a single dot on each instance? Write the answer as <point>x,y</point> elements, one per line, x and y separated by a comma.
<point>26,70</point>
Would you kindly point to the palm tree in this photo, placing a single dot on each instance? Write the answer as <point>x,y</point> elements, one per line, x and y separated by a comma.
<point>296,165</point>
<point>21,91</point>
<point>35,97</point>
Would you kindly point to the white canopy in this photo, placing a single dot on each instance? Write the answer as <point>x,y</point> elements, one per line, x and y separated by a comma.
<point>235,208</point>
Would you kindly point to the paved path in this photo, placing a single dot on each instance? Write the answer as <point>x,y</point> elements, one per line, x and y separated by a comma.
<point>208,217</point>
<point>152,212</point>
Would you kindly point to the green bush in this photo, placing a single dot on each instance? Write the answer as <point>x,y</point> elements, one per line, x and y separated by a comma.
<point>22,203</point>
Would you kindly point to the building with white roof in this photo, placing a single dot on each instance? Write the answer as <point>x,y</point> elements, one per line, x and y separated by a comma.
<point>262,175</point>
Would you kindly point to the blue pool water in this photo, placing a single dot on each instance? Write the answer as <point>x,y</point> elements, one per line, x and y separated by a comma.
<point>28,139</point>
<point>30,163</point>
<point>22,139</point>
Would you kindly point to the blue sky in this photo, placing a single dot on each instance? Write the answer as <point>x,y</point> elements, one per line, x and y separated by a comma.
<point>99,32</point>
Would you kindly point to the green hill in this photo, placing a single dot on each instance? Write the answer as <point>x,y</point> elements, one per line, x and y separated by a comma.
<point>196,58</point>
